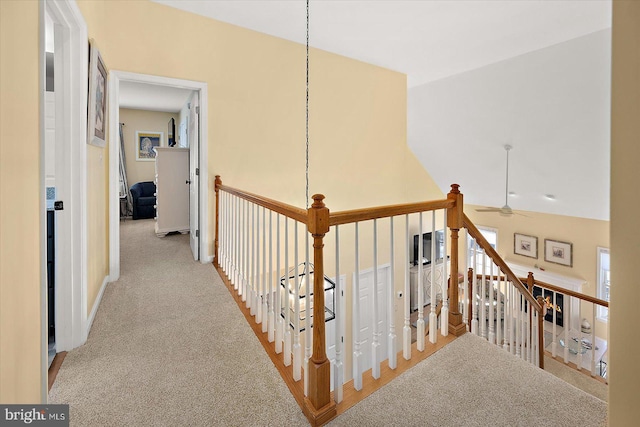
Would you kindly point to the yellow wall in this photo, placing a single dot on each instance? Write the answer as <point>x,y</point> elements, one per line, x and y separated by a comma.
<point>585,234</point>
<point>256,106</point>
<point>97,221</point>
<point>624,381</point>
<point>141,120</point>
<point>20,205</point>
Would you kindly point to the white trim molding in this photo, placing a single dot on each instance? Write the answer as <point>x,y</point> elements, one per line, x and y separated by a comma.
<point>71,61</point>
<point>94,309</point>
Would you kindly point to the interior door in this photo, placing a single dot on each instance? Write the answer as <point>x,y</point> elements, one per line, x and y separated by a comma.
<point>194,177</point>
<point>366,315</point>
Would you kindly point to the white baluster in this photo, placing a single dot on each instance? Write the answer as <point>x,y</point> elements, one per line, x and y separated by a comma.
<point>483,299</point>
<point>245,282</point>
<point>444,316</point>
<point>474,291</point>
<point>433,295</point>
<point>406,329</point>
<point>513,319</point>
<point>272,316</point>
<point>357,354</point>
<point>506,344</point>
<point>375,343</point>
<point>492,328</point>
<point>279,292</point>
<point>251,297</point>
<point>579,335</point>
<point>236,234</point>
<point>393,353</point>
<point>297,348</point>
<point>518,321</point>
<point>499,309</point>
<point>338,371</point>
<point>420,325</point>
<point>566,323</point>
<point>257,280</point>
<point>287,297</point>
<point>554,313</point>
<point>593,340</point>
<point>308,334</point>
<point>265,294</point>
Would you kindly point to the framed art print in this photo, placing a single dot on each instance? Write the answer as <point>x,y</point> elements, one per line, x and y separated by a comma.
<point>97,120</point>
<point>525,245</point>
<point>146,141</point>
<point>558,252</point>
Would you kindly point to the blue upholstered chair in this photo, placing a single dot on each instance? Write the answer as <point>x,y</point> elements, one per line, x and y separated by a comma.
<point>144,199</point>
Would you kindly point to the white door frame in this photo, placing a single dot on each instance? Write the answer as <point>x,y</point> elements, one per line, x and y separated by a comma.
<point>71,80</point>
<point>115,77</point>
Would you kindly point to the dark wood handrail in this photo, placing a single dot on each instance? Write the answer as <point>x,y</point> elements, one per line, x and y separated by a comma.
<point>563,291</point>
<point>554,288</point>
<point>356,215</point>
<point>482,242</point>
<point>289,211</point>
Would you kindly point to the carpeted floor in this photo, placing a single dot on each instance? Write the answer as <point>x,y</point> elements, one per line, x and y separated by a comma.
<point>169,347</point>
<point>473,383</point>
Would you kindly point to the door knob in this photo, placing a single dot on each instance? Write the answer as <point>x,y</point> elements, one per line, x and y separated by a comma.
<point>188,182</point>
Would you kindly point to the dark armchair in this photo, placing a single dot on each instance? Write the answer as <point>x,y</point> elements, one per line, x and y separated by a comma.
<point>144,199</point>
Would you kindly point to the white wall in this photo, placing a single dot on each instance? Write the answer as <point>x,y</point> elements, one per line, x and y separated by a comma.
<point>552,105</point>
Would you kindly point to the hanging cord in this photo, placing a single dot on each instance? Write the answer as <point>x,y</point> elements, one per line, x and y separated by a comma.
<point>307,116</point>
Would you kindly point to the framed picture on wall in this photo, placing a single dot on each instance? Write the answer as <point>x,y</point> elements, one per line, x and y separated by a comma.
<point>97,119</point>
<point>558,252</point>
<point>146,141</point>
<point>525,245</point>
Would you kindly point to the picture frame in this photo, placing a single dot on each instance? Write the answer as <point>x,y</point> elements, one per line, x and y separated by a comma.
<point>146,141</point>
<point>97,103</point>
<point>558,252</point>
<point>525,245</point>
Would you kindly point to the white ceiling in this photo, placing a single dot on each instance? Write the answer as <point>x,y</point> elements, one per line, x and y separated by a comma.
<point>433,40</point>
<point>142,96</point>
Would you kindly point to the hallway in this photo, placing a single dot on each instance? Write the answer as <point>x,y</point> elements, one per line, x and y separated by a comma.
<point>170,347</point>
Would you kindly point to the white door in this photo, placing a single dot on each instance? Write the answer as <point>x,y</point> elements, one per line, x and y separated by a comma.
<point>365,321</point>
<point>194,177</point>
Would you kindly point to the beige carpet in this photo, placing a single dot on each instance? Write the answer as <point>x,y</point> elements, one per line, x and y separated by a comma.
<point>489,388</point>
<point>169,347</point>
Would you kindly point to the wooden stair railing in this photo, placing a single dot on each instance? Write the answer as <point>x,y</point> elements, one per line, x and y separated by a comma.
<point>535,304</point>
<point>318,405</point>
<point>552,305</point>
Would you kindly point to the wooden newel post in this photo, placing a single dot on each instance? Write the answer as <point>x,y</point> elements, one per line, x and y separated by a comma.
<point>319,408</point>
<point>455,217</point>
<point>530,282</point>
<point>216,242</point>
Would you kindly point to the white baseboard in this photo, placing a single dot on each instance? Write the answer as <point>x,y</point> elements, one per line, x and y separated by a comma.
<point>96,304</point>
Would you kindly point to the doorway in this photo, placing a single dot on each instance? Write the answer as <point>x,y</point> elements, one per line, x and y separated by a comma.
<point>63,179</point>
<point>198,168</point>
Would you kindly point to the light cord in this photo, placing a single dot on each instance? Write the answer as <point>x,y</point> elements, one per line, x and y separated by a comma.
<point>307,116</point>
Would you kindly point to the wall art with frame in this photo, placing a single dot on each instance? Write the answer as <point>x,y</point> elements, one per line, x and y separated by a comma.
<point>525,245</point>
<point>146,141</point>
<point>558,252</point>
<point>97,120</point>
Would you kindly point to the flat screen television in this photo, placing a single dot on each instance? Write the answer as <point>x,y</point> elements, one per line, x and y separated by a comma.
<point>426,247</point>
<point>171,132</point>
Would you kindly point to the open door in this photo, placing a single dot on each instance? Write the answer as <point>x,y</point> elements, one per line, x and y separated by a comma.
<point>194,175</point>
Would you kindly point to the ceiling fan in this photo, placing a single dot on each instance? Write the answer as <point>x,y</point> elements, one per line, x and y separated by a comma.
<point>506,209</point>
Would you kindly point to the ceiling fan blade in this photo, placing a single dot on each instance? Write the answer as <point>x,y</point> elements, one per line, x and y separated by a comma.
<point>489,210</point>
